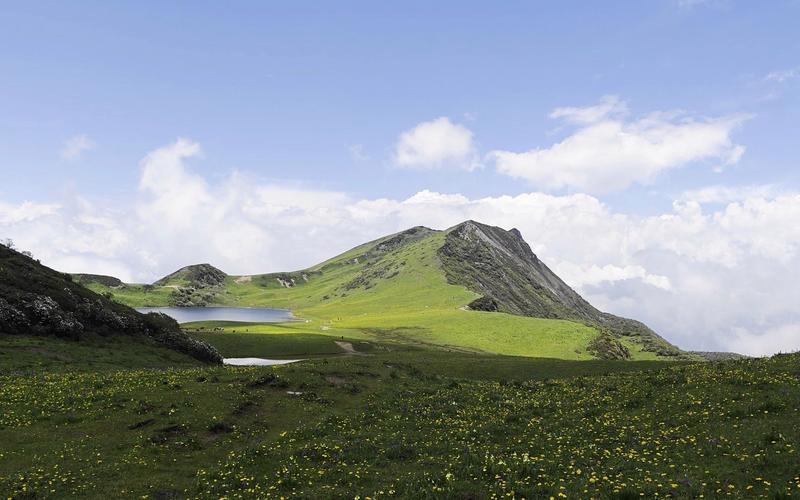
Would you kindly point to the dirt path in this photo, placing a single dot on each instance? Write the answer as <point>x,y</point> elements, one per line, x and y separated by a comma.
<point>348,348</point>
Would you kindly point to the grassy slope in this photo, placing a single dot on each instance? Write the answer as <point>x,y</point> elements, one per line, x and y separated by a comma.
<point>31,354</point>
<point>417,305</point>
<point>135,295</point>
<point>419,424</point>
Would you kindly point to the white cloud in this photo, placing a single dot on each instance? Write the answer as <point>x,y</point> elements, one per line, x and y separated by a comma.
<point>609,105</point>
<point>785,338</point>
<point>438,143</point>
<point>75,146</point>
<point>727,194</point>
<point>593,275</point>
<point>430,197</point>
<point>607,152</point>
<point>718,271</point>
<point>782,76</point>
<point>25,212</point>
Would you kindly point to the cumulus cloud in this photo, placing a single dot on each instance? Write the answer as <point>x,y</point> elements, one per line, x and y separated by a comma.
<point>712,276</point>
<point>593,275</point>
<point>608,152</point>
<point>75,146</point>
<point>438,143</point>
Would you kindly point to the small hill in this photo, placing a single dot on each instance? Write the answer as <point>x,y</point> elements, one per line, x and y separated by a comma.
<point>197,275</point>
<point>36,300</point>
<point>720,356</point>
<point>108,281</point>
<point>193,286</point>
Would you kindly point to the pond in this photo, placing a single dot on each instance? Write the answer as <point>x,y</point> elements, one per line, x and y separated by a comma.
<point>258,361</point>
<point>245,314</point>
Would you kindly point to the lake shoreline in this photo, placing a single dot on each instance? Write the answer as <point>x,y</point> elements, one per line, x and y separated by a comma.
<point>185,315</point>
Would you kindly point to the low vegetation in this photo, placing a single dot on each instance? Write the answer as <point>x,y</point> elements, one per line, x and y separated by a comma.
<point>410,423</point>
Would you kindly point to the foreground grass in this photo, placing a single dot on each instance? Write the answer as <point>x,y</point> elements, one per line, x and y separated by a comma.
<point>20,354</point>
<point>419,424</point>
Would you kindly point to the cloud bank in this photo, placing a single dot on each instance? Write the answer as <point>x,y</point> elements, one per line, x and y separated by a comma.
<point>718,271</point>
<point>608,151</point>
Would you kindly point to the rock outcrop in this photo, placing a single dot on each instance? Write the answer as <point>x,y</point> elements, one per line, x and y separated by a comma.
<point>37,300</point>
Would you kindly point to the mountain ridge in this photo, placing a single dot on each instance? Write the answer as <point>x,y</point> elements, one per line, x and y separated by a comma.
<point>523,284</point>
<point>420,270</point>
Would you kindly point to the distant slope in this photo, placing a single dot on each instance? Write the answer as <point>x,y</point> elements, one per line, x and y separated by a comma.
<point>108,281</point>
<point>472,287</point>
<point>36,300</point>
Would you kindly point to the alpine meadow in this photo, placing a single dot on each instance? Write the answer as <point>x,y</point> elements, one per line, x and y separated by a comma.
<point>428,251</point>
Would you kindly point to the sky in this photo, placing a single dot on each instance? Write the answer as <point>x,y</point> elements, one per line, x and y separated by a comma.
<point>647,151</point>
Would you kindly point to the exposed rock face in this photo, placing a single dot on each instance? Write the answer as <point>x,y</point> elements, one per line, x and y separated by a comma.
<point>403,238</point>
<point>194,286</point>
<point>484,304</point>
<point>606,346</point>
<point>37,300</point>
<point>198,276</point>
<point>499,265</point>
<point>287,281</point>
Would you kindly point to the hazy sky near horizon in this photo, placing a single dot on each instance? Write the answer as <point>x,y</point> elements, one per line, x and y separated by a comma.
<point>646,150</point>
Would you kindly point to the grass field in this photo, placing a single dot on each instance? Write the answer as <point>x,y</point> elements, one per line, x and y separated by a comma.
<point>30,354</point>
<point>413,423</point>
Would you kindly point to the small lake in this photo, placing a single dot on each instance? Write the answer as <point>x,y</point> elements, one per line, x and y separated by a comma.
<point>245,314</point>
<point>258,361</point>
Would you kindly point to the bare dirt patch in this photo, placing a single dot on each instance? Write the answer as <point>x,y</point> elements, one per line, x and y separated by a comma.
<point>335,380</point>
<point>347,347</point>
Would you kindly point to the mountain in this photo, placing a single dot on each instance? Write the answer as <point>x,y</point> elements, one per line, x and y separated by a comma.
<point>36,300</point>
<point>471,287</point>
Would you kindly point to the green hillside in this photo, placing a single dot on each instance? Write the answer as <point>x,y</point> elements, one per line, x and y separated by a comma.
<point>423,287</point>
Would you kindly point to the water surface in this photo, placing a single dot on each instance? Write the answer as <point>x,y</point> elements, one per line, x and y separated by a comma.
<point>246,314</point>
<point>257,361</point>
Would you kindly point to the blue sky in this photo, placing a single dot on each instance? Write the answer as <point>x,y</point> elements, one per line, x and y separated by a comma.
<point>647,150</point>
<point>283,90</point>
